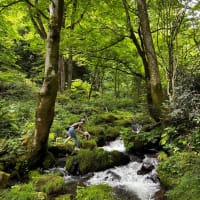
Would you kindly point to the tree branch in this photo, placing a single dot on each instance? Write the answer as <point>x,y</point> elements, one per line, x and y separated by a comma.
<point>32,5</point>
<point>110,45</point>
<point>9,4</point>
<point>126,64</point>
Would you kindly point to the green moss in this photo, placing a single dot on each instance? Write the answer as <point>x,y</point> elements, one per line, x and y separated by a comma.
<point>4,178</point>
<point>106,118</point>
<point>49,183</point>
<point>49,160</point>
<point>23,192</point>
<point>64,197</point>
<point>88,144</point>
<point>112,133</point>
<point>97,192</point>
<point>99,134</point>
<point>95,160</point>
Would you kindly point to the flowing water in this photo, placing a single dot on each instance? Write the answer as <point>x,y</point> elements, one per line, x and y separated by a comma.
<point>125,180</point>
<point>126,177</point>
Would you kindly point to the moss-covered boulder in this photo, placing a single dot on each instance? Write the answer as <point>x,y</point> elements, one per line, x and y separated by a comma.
<point>89,161</point>
<point>96,192</point>
<point>61,149</point>
<point>4,179</point>
<point>49,160</point>
<point>106,118</point>
<point>88,144</point>
<point>112,133</point>
<point>99,134</point>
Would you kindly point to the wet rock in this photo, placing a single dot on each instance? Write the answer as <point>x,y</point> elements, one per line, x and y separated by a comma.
<point>114,175</point>
<point>145,169</point>
<point>60,162</point>
<point>160,195</point>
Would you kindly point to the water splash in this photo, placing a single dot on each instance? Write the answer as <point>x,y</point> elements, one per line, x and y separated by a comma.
<point>117,145</point>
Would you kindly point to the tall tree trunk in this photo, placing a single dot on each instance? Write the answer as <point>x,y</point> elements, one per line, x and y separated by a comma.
<point>156,88</point>
<point>142,53</point>
<point>48,92</point>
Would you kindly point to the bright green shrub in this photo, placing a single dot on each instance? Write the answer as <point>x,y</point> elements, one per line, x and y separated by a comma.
<point>139,141</point>
<point>172,170</point>
<point>49,183</point>
<point>188,187</point>
<point>23,192</point>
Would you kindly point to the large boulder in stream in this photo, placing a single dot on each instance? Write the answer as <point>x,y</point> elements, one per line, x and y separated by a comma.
<point>94,160</point>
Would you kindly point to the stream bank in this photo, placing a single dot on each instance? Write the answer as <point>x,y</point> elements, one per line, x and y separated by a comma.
<point>136,180</point>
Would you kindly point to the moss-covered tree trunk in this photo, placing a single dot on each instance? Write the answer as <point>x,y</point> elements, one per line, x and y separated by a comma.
<point>48,92</point>
<point>156,88</point>
<point>153,106</point>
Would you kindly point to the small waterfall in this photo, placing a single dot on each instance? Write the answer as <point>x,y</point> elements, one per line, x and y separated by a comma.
<point>117,145</point>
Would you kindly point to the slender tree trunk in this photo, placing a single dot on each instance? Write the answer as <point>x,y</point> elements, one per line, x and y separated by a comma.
<point>61,72</point>
<point>156,88</point>
<point>142,53</point>
<point>48,92</point>
<point>69,69</point>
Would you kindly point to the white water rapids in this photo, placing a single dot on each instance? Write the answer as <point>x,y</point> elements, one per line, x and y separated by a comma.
<point>126,177</point>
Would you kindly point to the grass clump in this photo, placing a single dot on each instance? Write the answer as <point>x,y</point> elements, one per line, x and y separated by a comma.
<point>96,192</point>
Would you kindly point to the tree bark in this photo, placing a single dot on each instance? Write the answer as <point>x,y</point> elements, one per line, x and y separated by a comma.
<point>156,88</point>
<point>69,69</point>
<point>48,92</point>
<point>143,55</point>
<point>61,72</point>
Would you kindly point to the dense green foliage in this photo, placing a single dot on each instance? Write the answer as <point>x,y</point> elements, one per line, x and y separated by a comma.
<point>109,91</point>
<point>180,173</point>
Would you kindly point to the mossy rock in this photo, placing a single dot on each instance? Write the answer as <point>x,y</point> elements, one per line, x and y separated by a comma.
<point>96,192</point>
<point>49,183</point>
<point>88,144</point>
<point>112,133</point>
<point>99,134</point>
<point>64,197</point>
<point>61,149</point>
<point>4,179</point>
<point>96,160</point>
<point>49,160</point>
<point>106,118</point>
<point>123,122</point>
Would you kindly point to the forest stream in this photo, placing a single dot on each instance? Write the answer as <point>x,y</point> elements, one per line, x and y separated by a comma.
<point>128,182</point>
